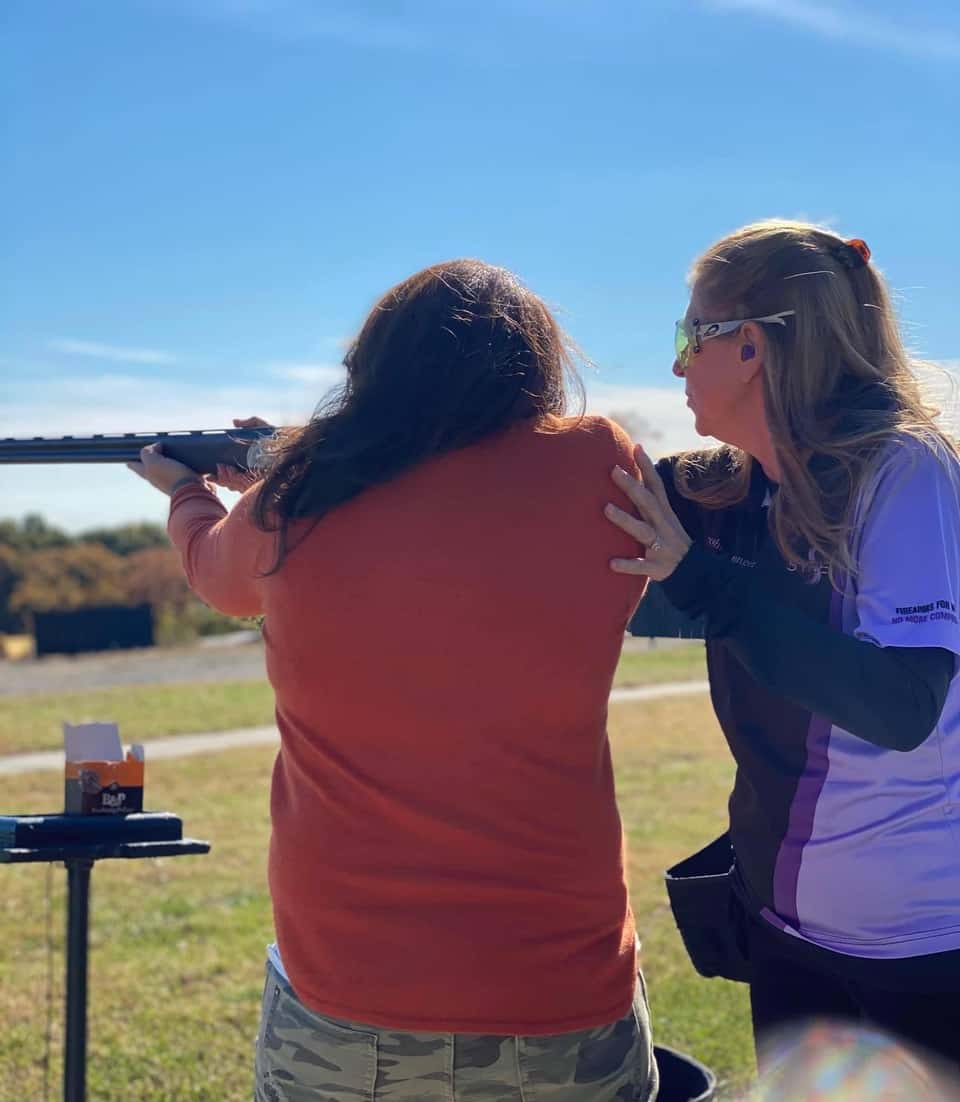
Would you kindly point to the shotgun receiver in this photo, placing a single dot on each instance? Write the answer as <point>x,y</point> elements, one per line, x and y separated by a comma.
<point>200,450</point>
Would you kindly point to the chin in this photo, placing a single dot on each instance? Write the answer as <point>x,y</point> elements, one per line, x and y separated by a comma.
<point>700,426</point>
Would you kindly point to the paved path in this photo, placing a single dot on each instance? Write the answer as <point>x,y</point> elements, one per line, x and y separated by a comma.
<point>181,746</point>
<point>236,657</point>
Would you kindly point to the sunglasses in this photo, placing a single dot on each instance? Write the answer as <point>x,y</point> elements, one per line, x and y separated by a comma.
<point>692,334</point>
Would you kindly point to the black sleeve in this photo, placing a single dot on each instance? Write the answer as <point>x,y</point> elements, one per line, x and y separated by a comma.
<point>889,696</point>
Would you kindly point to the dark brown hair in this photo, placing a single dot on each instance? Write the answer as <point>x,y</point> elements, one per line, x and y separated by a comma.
<point>456,353</point>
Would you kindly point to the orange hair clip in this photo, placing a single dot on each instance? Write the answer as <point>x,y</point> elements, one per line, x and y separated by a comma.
<point>861,248</point>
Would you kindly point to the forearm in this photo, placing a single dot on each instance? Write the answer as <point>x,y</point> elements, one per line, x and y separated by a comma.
<point>889,696</point>
<point>217,550</point>
<point>194,510</point>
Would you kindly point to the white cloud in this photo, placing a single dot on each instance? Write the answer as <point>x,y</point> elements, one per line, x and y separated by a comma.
<point>114,353</point>
<point>78,497</point>
<point>340,343</point>
<point>324,375</point>
<point>84,496</point>
<point>661,408</point>
<point>941,385</point>
<point>857,25</point>
<point>129,403</point>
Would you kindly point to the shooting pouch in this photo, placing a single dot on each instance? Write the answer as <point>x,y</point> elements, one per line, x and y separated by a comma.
<point>708,912</point>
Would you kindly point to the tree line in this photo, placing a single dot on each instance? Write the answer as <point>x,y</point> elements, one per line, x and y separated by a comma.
<point>43,568</point>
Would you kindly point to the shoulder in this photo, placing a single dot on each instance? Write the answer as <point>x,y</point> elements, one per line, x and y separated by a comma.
<point>915,470</point>
<point>246,506</point>
<point>910,456</point>
<point>248,523</point>
<point>592,433</point>
<point>907,513</point>
<point>588,425</point>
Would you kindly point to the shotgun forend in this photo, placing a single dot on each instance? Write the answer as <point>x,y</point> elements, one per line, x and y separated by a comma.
<point>200,449</point>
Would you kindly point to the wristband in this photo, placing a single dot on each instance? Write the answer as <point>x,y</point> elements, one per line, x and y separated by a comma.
<point>185,481</point>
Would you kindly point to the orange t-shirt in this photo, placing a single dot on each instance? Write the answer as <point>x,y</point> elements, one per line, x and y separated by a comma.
<point>446,853</point>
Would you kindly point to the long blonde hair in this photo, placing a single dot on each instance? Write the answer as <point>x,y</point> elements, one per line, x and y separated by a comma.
<point>839,387</point>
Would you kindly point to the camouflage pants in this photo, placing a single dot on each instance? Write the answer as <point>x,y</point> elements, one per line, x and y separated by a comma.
<point>303,1057</point>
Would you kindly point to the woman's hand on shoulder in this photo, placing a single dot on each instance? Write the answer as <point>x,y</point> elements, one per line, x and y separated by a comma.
<point>662,537</point>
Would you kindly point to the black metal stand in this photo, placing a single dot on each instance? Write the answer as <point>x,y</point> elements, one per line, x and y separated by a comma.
<point>79,859</point>
<point>78,921</point>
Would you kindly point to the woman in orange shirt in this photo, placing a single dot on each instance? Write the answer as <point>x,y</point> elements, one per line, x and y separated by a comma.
<point>446,860</point>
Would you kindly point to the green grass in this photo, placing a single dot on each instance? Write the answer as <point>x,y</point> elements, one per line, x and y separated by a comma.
<point>142,711</point>
<point>29,723</point>
<point>651,667</point>
<point>177,945</point>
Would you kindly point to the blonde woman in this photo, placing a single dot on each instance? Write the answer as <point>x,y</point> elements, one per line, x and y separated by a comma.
<point>821,542</point>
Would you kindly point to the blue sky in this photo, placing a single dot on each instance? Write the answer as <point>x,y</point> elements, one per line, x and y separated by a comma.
<point>201,198</point>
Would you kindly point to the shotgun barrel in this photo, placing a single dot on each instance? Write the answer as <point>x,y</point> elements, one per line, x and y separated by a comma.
<point>200,449</point>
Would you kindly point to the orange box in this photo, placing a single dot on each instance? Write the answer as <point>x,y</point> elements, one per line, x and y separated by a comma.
<point>98,778</point>
<point>103,787</point>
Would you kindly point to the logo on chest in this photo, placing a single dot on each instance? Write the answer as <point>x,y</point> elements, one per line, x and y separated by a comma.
<point>738,560</point>
<point>812,575</point>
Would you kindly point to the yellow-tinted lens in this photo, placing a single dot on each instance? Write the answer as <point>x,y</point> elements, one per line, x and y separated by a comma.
<point>681,343</point>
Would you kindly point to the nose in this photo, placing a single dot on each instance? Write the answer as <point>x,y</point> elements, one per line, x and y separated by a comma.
<point>678,369</point>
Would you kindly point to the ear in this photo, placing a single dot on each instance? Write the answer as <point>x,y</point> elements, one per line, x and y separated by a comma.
<point>753,348</point>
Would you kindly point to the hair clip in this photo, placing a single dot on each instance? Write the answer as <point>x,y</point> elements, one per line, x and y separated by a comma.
<point>852,254</point>
<point>861,248</point>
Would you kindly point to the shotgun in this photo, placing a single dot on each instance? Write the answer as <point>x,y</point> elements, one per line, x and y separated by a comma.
<point>200,449</point>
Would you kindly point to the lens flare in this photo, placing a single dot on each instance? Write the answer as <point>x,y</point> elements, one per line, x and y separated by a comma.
<point>826,1061</point>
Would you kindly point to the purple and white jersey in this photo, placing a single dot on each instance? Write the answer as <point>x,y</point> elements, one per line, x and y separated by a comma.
<point>847,845</point>
<point>872,864</point>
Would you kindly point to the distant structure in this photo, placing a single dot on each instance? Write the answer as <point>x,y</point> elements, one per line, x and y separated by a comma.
<point>100,627</point>
<point>656,618</point>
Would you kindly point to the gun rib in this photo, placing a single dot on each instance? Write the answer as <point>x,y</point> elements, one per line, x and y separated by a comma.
<point>200,449</point>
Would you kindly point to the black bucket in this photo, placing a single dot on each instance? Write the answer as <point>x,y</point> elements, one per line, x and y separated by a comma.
<point>683,1079</point>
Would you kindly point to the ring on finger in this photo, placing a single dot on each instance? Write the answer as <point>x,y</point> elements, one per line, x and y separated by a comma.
<point>655,544</point>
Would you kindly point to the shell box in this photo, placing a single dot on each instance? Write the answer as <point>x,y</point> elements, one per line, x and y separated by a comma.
<point>98,778</point>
